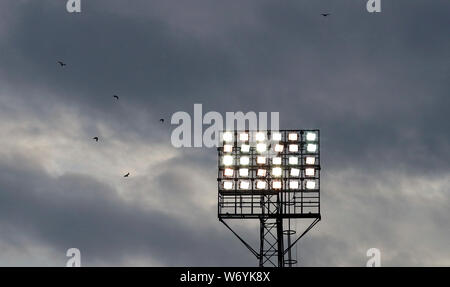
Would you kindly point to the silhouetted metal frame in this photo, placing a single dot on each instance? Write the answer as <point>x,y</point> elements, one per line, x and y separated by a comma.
<point>281,208</point>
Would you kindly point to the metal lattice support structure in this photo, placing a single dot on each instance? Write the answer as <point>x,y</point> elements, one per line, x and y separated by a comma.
<point>273,177</point>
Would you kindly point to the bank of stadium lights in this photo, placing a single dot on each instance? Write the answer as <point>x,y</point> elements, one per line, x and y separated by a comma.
<point>269,160</point>
<point>257,164</point>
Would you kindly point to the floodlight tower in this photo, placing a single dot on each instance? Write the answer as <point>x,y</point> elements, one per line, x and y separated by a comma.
<point>272,177</point>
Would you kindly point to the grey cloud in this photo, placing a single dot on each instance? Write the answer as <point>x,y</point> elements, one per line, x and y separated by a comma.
<point>376,85</point>
<point>78,211</point>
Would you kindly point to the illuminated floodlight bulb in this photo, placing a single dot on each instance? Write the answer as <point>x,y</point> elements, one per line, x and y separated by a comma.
<point>261,160</point>
<point>311,136</point>
<point>276,184</point>
<point>227,148</point>
<point>227,160</point>
<point>279,148</point>
<point>295,172</point>
<point>243,137</point>
<point>243,172</point>
<point>310,160</point>
<point>293,184</point>
<point>244,160</point>
<point>228,172</point>
<point>276,171</point>
<point>228,136</point>
<point>310,184</point>
<point>260,136</point>
<point>245,184</point>
<point>261,172</point>
<point>311,147</point>
<point>245,148</point>
<point>293,160</point>
<point>276,160</point>
<point>261,147</point>
<point>293,147</point>
<point>276,136</point>
<point>292,136</point>
<point>261,184</point>
<point>228,184</point>
<point>309,172</point>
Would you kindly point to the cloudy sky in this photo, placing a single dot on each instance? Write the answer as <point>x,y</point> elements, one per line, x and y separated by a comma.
<point>376,85</point>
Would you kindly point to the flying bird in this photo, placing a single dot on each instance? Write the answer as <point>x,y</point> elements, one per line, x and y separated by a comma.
<point>325,14</point>
<point>127,175</point>
<point>161,120</point>
<point>95,138</point>
<point>62,64</point>
<point>116,97</point>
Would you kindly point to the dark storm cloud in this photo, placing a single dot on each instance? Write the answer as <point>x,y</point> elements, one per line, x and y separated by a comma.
<point>366,85</point>
<point>78,211</point>
<point>376,85</point>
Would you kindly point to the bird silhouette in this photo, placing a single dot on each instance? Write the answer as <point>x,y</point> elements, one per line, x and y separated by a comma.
<point>95,138</point>
<point>127,175</point>
<point>325,14</point>
<point>116,97</point>
<point>62,64</point>
<point>161,120</point>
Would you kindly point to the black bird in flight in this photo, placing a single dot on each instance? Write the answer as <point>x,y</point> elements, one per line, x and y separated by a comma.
<point>161,120</point>
<point>127,175</point>
<point>95,138</point>
<point>325,14</point>
<point>62,64</point>
<point>116,97</point>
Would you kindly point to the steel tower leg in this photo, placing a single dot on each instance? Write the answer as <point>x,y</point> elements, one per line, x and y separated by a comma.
<point>280,242</point>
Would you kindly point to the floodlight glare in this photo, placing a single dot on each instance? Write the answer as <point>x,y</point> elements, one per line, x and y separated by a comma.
<point>276,184</point>
<point>245,148</point>
<point>261,172</point>
<point>244,160</point>
<point>311,147</point>
<point>260,136</point>
<point>228,172</point>
<point>228,185</point>
<point>276,160</point>
<point>243,172</point>
<point>293,184</point>
<point>227,136</point>
<point>293,148</point>
<point>245,184</point>
<point>243,137</point>
<point>279,148</point>
<point>261,147</point>
<point>310,160</point>
<point>276,137</point>
<point>292,136</point>
<point>310,136</point>
<point>227,148</point>
<point>276,171</point>
<point>293,160</point>
<point>227,160</point>
<point>295,172</point>
<point>261,184</point>
<point>309,172</point>
<point>261,160</point>
<point>310,184</point>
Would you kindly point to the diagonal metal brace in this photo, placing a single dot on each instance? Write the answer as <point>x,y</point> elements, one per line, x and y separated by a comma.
<point>242,240</point>
<point>307,229</point>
